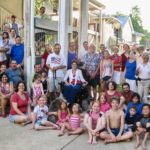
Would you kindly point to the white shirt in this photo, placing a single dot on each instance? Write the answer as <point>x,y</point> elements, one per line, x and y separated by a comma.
<point>144,70</point>
<point>78,76</point>
<point>41,111</point>
<point>55,60</point>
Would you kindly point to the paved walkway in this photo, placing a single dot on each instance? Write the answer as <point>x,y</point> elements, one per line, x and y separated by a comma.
<point>15,137</point>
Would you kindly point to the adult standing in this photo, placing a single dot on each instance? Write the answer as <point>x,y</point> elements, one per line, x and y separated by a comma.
<point>117,65</point>
<point>17,51</point>
<point>106,70</point>
<point>72,54</point>
<point>56,63</point>
<point>4,47</point>
<point>12,41</point>
<point>143,72</point>
<point>130,72</point>
<point>20,111</point>
<point>15,25</point>
<point>102,50</point>
<point>91,62</point>
<point>48,50</point>
<point>125,55</point>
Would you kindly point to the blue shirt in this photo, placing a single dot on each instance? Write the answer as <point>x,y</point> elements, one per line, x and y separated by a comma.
<point>17,53</point>
<point>71,57</point>
<point>138,108</point>
<point>14,75</point>
<point>130,70</point>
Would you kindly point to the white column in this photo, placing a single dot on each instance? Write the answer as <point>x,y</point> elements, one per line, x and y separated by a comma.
<point>63,26</point>
<point>29,55</point>
<point>83,31</point>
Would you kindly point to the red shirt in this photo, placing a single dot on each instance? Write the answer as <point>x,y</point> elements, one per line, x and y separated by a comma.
<point>117,62</point>
<point>44,56</point>
<point>124,59</point>
<point>116,94</point>
<point>22,104</point>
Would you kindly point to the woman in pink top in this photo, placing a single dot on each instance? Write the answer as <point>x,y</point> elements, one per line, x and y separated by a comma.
<point>104,105</point>
<point>73,126</point>
<point>94,121</point>
<point>6,90</point>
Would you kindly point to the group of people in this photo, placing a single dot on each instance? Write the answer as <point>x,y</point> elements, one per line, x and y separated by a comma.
<point>112,115</point>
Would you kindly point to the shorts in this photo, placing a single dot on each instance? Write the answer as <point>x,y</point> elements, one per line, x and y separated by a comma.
<point>39,121</point>
<point>12,118</point>
<point>115,131</point>
<point>94,82</point>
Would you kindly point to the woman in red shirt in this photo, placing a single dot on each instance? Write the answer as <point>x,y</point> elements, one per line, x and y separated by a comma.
<point>112,92</point>
<point>20,110</point>
<point>117,65</point>
<point>48,50</point>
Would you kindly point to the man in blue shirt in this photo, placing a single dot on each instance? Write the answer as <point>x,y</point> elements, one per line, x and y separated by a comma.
<point>17,51</point>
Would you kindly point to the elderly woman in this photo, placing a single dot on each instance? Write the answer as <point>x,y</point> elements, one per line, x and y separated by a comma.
<point>143,73</point>
<point>6,90</point>
<point>73,80</point>
<point>20,105</point>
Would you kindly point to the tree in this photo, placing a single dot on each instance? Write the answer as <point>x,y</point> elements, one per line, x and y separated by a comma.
<point>135,16</point>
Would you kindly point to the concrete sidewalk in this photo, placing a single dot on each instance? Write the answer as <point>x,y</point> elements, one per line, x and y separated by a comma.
<point>15,137</point>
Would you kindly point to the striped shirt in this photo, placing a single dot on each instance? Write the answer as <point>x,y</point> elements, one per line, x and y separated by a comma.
<point>75,121</point>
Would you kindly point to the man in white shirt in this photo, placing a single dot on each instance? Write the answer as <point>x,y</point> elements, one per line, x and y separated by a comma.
<point>143,72</point>
<point>56,63</point>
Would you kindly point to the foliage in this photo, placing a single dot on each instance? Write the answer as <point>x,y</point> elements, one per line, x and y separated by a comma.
<point>37,5</point>
<point>135,16</point>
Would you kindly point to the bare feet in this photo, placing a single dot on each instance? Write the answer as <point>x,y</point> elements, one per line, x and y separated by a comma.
<point>90,141</point>
<point>60,134</point>
<point>94,140</point>
<point>109,141</point>
<point>137,144</point>
<point>143,146</point>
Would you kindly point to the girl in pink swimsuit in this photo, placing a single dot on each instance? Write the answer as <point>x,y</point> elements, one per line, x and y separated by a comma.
<point>73,126</point>
<point>37,88</point>
<point>94,121</point>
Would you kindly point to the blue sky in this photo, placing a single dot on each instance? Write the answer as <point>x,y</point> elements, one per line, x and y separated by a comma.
<point>124,6</point>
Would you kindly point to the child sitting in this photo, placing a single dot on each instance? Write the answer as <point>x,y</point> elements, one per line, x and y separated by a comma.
<point>115,124</point>
<point>73,126</point>
<point>63,113</point>
<point>143,126</point>
<point>104,105</point>
<point>39,121</point>
<point>94,121</point>
<point>130,119</point>
<point>136,103</point>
